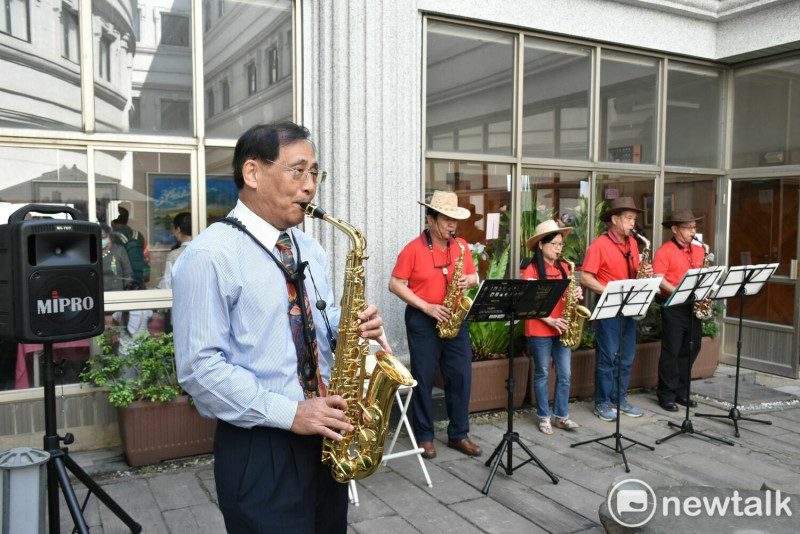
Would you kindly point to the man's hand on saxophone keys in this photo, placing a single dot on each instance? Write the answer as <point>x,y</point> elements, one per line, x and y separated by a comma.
<point>467,281</point>
<point>371,323</point>
<point>559,324</point>
<point>322,415</point>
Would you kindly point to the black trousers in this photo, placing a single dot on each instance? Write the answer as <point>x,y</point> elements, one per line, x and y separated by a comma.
<point>678,329</point>
<point>271,480</point>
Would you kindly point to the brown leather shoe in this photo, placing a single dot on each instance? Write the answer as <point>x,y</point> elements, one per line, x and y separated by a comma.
<point>429,452</point>
<point>465,446</point>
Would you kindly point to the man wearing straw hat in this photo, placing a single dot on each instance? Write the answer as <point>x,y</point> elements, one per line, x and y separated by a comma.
<point>613,256</point>
<point>421,278</point>
<point>671,261</point>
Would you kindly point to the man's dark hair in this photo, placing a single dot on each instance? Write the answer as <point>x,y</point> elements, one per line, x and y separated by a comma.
<point>263,142</point>
<point>123,216</point>
<point>183,221</point>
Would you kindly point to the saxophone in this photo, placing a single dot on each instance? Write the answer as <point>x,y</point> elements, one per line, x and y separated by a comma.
<point>646,255</point>
<point>359,454</point>
<point>574,313</point>
<point>458,306</point>
<point>704,308</point>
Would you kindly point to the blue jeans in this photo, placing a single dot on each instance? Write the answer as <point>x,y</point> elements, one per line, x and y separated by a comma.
<point>607,344</point>
<point>543,349</point>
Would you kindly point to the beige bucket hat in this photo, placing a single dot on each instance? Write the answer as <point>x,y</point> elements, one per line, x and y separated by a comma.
<point>446,202</point>
<point>545,228</point>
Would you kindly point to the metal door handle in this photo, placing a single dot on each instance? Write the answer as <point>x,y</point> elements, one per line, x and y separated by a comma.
<point>793,269</point>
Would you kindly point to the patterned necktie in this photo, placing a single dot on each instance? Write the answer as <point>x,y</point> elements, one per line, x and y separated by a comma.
<point>307,357</point>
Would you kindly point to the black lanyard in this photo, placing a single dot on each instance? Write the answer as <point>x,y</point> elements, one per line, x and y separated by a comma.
<point>627,255</point>
<point>433,260</point>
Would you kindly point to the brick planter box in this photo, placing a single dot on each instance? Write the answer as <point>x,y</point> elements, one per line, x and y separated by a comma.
<point>156,431</point>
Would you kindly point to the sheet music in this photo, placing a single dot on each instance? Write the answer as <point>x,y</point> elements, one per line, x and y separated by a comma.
<point>630,297</point>
<point>737,276</point>
<point>699,282</point>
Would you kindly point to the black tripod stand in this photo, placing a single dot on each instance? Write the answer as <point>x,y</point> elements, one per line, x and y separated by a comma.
<point>746,280</point>
<point>620,299</point>
<point>60,461</point>
<point>686,294</point>
<point>513,300</point>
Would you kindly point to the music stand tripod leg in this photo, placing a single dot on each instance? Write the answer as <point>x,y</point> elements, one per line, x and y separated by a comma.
<point>617,435</point>
<point>60,461</point>
<point>687,427</point>
<point>734,414</point>
<point>510,436</point>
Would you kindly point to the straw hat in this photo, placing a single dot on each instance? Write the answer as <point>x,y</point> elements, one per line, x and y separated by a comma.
<point>446,202</point>
<point>618,205</point>
<point>680,217</point>
<point>544,229</point>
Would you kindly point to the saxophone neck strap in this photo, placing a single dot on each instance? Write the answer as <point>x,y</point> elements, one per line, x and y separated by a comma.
<point>627,254</point>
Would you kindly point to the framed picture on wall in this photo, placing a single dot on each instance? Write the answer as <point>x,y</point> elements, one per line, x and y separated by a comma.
<point>171,193</point>
<point>647,202</point>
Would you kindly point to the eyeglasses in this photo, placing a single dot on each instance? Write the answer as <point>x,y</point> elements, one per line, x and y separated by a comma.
<point>560,244</point>
<point>688,226</point>
<point>317,176</point>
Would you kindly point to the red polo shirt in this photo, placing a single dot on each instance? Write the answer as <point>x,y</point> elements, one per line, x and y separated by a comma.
<point>608,258</point>
<point>537,327</point>
<point>673,260</point>
<point>421,267</point>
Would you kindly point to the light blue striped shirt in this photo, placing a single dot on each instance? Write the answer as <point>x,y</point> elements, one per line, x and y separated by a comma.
<point>233,343</point>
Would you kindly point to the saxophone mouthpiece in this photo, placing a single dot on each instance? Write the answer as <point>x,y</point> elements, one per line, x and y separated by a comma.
<point>313,210</point>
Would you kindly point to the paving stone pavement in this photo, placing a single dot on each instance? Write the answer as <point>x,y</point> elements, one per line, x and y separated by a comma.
<point>180,497</point>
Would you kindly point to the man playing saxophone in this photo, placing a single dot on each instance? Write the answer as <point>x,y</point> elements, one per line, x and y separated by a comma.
<point>544,335</point>
<point>423,278</point>
<point>671,261</point>
<point>250,344</point>
<point>614,255</point>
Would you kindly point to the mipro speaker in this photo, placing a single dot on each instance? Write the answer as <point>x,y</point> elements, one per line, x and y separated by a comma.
<point>51,277</point>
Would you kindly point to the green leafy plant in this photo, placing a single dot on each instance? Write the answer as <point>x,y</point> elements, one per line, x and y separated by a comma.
<point>141,370</point>
<point>710,324</point>
<point>489,340</point>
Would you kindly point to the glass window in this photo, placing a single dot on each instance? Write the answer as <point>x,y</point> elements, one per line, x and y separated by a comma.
<point>14,18</point>
<point>563,196</point>
<point>226,94</point>
<point>142,192</point>
<point>43,176</point>
<point>209,102</point>
<point>70,45</point>
<point>139,72</point>
<point>252,78</point>
<point>697,193</point>
<point>628,95</point>
<point>470,86</point>
<point>694,115</point>
<point>104,61</point>
<point>272,55</point>
<point>764,230</point>
<point>174,115</point>
<point>174,30</point>
<point>221,191</point>
<point>766,117</point>
<point>611,186</point>
<point>236,65</point>
<point>555,114</point>
<point>482,188</point>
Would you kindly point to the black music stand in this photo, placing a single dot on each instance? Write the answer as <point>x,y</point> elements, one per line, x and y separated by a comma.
<point>694,287</point>
<point>513,300</point>
<point>623,298</point>
<point>742,280</point>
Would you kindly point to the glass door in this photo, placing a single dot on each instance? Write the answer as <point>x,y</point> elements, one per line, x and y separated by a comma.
<point>764,229</point>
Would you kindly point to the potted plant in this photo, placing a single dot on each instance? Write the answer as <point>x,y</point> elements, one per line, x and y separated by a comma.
<point>490,349</point>
<point>156,418</point>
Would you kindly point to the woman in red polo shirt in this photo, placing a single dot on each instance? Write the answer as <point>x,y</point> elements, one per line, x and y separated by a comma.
<point>544,335</point>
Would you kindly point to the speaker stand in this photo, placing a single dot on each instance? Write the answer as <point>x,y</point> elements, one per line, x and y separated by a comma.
<point>60,461</point>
